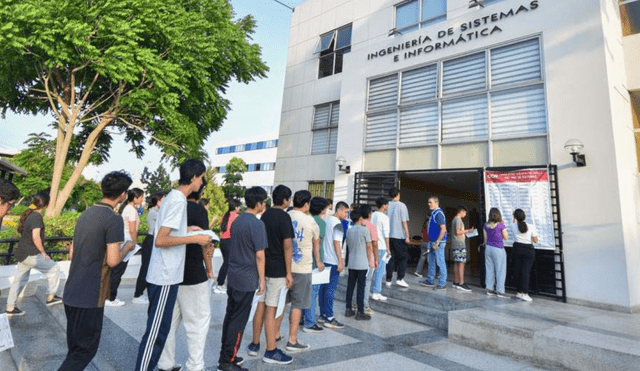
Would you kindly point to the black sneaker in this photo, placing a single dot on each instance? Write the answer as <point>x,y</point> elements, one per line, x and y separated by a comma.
<point>58,300</point>
<point>426,283</point>
<point>253,349</point>
<point>313,329</point>
<point>463,287</point>
<point>349,313</point>
<point>298,346</point>
<point>174,368</point>
<point>15,312</point>
<point>238,361</point>
<point>441,287</point>
<point>277,357</point>
<point>362,317</point>
<point>230,367</point>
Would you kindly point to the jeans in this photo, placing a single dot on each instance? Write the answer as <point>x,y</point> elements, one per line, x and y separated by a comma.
<point>224,249</point>
<point>367,287</point>
<point>23,270</point>
<point>310,314</point>
<point>495,260</point>
<point>116,276</point>
<point>379,273</point>
<point>523,257</point>
<point>359,276</point>
<point>424,250</point>
<point>328,292</point>
<point>438,255</point>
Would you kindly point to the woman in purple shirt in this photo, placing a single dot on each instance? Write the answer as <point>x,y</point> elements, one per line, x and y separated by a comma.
<point>495,258</point>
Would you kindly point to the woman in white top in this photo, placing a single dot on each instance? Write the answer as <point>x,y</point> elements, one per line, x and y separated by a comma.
<point>145,253</point>
<point>129,212</point>
<point>523,252</point>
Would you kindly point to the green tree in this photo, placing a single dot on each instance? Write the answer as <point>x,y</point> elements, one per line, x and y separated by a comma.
<point>156,181</point>
<point>217,201</point>
<point>153,70</point>
<point>232,178</point>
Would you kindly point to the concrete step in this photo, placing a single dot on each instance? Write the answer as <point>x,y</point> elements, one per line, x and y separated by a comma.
<point>552,334</point>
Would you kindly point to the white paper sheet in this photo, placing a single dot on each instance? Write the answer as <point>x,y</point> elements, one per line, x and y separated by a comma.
<point>208,232</point>
<point>473,233</point>
<point>130,253</point>
<point>319,278</point>
<point>254,305</point>
<point>6,339</point>
<point>282,302</point>
<point>386,258</point>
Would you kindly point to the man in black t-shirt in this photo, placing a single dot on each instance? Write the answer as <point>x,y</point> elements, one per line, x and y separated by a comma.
<point>278,275</point>
<point>97,238</point>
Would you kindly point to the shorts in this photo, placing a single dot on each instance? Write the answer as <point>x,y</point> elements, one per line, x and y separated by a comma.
<point>460,255</point>
<point>300,292</point>
<point>272,291</point>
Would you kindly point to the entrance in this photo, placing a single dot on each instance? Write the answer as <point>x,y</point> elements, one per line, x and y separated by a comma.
<point>465,187</point>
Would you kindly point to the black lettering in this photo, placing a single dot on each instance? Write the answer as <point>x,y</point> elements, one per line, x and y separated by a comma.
<point>450,31</point>
<point>426,39</point>
<point>484,32</point>
<point>419,51</point>
<point>534,4</point>
<point>495,29</point>
<point>460,39</point>
<point>486,19</point>
<point>442,34</point>
<point>507,14</point>
<point>450,43</point>
<point>396,58</point>
<point>407,44</point>
<point>389,50</point>
<point>382,53</point>
<point>414,43</point>
<point>476,23</point>
<point>373,55</point>
<point>494,17</point>
<point>522,8</point>
<point>396,48</point>
<point>413,53</point>
<point>438,46</point>
<point>463,27</point>
<point>428,48</point>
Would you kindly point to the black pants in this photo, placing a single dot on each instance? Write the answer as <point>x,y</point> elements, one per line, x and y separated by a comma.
<point>359,276</point>
<point>145,254</point>
<point>116,277</point>
<point>235,320</point>
<point>523,257</point>
<point>84,327</point>
<point>399,257</point>
<point>224,249</point>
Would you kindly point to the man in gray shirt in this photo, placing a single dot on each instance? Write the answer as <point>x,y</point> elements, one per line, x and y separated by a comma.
<point>398,238</point>
<point>360,251</point>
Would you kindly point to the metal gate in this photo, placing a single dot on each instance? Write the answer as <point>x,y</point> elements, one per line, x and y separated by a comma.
<point>370,186</point>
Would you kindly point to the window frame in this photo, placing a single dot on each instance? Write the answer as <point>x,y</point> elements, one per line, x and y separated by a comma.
<point>325,185</point>
<point>329,128</point>
<point>421,23</point>
<point>332,50</point>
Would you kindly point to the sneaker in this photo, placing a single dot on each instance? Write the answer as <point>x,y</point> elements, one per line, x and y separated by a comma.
<point>313,329</point>
<point>427,283</point>
<point>417,274</point>
<point>322,318</point>
<point>354,307</point>
<point>174,368</point>
<point>219,290</point>
<point>501,295</point>
<point>378,297</point>
<point>368,310</point>
<point>464,287</point>
<point>142,299</point>
<point>277,357</point>
<point>490,293</point>
<point>523,297</point>
<point>349,313</point>
<point>401,283</point>
<point>441,287</point>
<point>230,367</point>
<point>363,317</point>
<point>333,324</point>
<point>253,349</point>
<point>114,303</point>
<point>279,339</point>
<point>56,300</point>
<point>238,361</point>
<point>388,283</point>
<point>298,346</point>
<point>15,312</point>
<point>527,297</point>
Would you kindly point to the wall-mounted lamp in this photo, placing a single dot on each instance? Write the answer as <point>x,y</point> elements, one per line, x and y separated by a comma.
<point>394,31</point>
<point>574,147</point>
<point>342,165</point>
<point>474,3</point>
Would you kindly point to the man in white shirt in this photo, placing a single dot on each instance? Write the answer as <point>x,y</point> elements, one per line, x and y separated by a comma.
<point>381,221</point>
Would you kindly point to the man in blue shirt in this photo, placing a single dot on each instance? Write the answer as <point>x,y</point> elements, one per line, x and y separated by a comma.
<point>437,231</point>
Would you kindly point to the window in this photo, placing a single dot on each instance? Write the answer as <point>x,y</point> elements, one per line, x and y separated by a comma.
<point>415,14</point>
<point>332,48</point>
<point>325,128</point>
<point>630,16</point>
<point>321,189</point>
<point>268,166</point>
<point>271,143</point>
<point>493,94</point>
<point>222,169</point>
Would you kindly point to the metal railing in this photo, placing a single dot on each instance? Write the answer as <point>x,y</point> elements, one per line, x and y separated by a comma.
<point>5,257</point>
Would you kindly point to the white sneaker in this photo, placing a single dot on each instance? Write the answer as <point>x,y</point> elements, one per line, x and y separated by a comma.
<point>219,290</point>
<point>378,297</point>
<point>142,299</point>
<point>417,274</point>
<point>388,283</point>
<point>523,297</point>
<point>113,303</point>
<point>401,283</point>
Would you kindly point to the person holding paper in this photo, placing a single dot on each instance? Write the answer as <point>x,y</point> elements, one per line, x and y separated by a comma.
<point>166,267</point>
<point>306,248</point>
<point>97,238</point>
<point>459,247</point>
<point>359,240</point>
<point>246,275</point>
<point>381,221</point>
<point>145,252</point>
<point>278,276</point>
<point>365,211</point>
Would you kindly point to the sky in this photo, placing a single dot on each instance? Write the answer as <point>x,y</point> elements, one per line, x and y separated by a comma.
<point>255,107</point>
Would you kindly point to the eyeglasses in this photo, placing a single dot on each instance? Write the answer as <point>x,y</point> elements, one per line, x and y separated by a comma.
<point>11,204</point>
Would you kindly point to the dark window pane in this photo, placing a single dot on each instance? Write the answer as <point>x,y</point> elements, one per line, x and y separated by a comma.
<point>261,145</point>
<point>220,150</point>
<point>326,66</point>
<point>344,37</point>
<point>630,16</point>
<point>339,57</point>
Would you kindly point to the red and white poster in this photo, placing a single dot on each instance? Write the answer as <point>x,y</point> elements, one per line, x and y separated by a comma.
<point>526,189</point>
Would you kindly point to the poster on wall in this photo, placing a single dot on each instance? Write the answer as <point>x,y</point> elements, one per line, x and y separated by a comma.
<point>526,189</point>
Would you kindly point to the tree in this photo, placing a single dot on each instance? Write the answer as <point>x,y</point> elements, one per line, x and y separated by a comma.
<point>232,178</point>
<point>153,70</point>
<point>156,181</point>
<point>217,201</point>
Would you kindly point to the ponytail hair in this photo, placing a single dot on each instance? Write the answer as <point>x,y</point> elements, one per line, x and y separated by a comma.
<point>519,216</point>
<point>132,194</point>
<point>233,204</point>
<point>153,202</point>
<point>39,201</point>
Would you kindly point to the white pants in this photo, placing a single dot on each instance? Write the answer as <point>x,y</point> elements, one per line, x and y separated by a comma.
<point>23,271</point>
<point>193,307</point>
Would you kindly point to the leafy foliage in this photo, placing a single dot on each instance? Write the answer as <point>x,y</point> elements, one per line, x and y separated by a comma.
<point>156,181</point>
<point>217,201</point>
<point>232,178</point>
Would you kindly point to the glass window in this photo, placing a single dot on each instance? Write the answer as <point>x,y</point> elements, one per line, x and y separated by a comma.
<point>325,128</point>
<point>261,145</point>
<point>344,37</point>
<point>332,56</point>
<point>222,169</point>
<point>240,147</point>
<point>407,14</point>
<point>630,16</point>
<point>434,10</point>
<point>219,150</point>
<point>414,14</point>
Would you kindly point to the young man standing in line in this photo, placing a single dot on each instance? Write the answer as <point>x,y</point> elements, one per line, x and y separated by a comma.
<point>437,230</point>
<point>359,240</point>
<point>8,194</point>
<point>245,275</point>
<point>306,248</point>
<point>459,248</point>
<point>97,238</point>
<point>399,238</point>
<point>332,259</point>
<point>381,221</point>
<point>166,266</point>
<point>278,275</point>
<point>365,213</point>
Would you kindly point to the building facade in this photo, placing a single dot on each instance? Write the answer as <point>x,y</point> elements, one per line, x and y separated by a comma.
<point>432,93</point>
<point>258,152</point>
